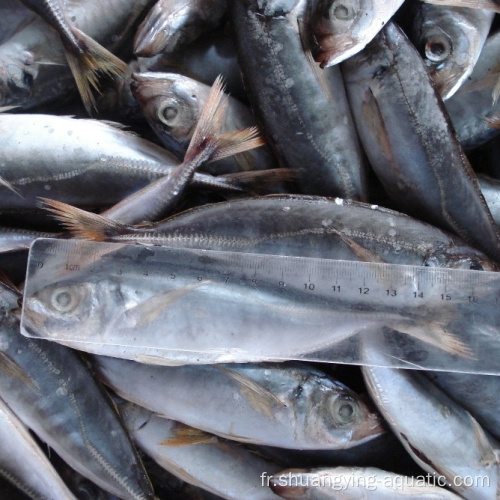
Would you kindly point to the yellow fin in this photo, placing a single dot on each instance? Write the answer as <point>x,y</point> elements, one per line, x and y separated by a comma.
<point>436,336</point>
<point>184,435</point>
<point>11,368</point>
<point>150,309</point>
<point>85,67</point>
<point>260,398</point>
<point>82,223</point>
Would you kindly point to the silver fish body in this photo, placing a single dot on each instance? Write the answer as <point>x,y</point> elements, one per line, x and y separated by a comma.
<point>472,108</point>
<point>427,422</point>
<point>341,28</point>
<point>490,188</point>
<point>45,155</point>
<point>219,466</point>
<point>353,483</point>
<point>410,143</point>
<point>24,463</point>
<point>53,393</point>
<point>173,23</point>
<point>450,40</point>
<point>478,394</point>
<point>287,406</point>
<point>301,108</point>
<point>286,225</point>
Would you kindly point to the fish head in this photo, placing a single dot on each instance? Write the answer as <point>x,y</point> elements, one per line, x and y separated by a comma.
<point>457,257</point>
<point>370,65</point>
<point>448,48</point>
<point>341,29</point>
<point>18,71</point>
<point>335,415</point>
<point>172,105</point>
<point>69,309</point>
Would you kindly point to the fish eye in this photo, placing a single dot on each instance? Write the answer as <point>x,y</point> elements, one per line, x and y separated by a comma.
<point>437,48</point>
<point>65,299</point>
<point>344,409</point>
<point>168,113</point>
<point>341,11</point>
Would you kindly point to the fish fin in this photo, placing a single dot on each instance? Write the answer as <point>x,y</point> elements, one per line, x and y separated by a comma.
<point>361,252</point>
<point>488,454</point>
<point>472,4</point>
<point>11,368</point>
<point>496,91</point>
<point>5,280</point>
<point>183,435</point>
<point>10,187</point>
<point>493,120</point>
<point>87,65</point>
<point>260,398</point>
<point>209,124</point>
<point>210,120</point>
<point>436,336</point>
<point>149,310</point>
<point>239,141</point>
<point>260,181</point>
<point>82,223</point>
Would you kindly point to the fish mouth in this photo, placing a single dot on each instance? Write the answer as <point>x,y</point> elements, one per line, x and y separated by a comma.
<point>333,49</point>
<point>370,430</point>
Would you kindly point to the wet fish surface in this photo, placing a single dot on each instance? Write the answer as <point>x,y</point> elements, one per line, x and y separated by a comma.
<point>287,406</point>
<point>450,40</point>
<point>301,108</point>
<point>398,110</point>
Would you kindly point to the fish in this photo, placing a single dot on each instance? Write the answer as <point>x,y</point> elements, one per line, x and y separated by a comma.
<point>470,4</point>
<point>14,16</point>
<point>85,162</point>
<point>170,24</point>
<point>23,463</point>
<point>54,394</point>
<point>172,105</point>
<point>207,144</point>
<point>341,28</point>
<point>302,110</point>
<point>450,40</point>
<point>354,482</point>
<point>33,65</point>
<point>86,57</point>
<point>476,393</point>
<point>220,466</point>
<point>286,225</point>
<point>426,421</point>
<point>398,110</point>
<point>490,188</point>
<point>14,239</point>
<point>290,406</point>
<point>472,109</point>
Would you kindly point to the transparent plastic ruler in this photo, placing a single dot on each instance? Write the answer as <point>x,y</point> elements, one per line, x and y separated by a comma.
<point>175,305</point>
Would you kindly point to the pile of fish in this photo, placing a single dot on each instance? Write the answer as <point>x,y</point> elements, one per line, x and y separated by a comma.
<point>338,129</point>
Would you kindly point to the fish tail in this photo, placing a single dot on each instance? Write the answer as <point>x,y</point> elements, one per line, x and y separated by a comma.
<point>437,337</point>
<point>81,223</point>
<point>86,66</point>
<point>206,134</point>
